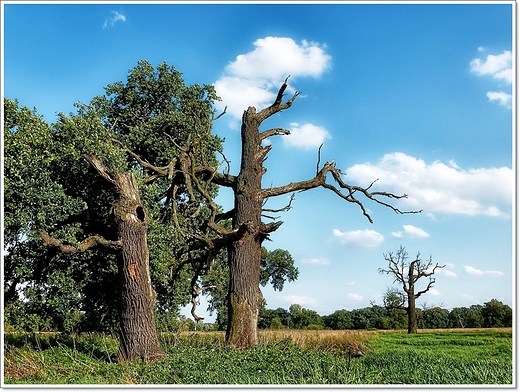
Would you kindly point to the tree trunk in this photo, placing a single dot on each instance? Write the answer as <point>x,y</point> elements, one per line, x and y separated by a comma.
<point>244,295</point>
<point>138,333</point>
<point>412,314</point>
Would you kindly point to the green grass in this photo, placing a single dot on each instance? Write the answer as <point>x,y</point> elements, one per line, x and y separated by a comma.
<point>285,357</point>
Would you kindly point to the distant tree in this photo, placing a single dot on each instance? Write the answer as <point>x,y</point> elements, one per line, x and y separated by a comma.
<point>497,314</point>
<point>340,319</point>
<point>276,323</point>
<point>407,274</point>
<point>435,317</point>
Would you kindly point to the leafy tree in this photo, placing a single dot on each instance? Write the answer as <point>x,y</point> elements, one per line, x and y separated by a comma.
<point>435,317</point>
<point>39,290</point>
<point>407,274</point>
<point>340,319</point>
<point>94,164</point>
<point>497,314</point>
<point>276,323</point>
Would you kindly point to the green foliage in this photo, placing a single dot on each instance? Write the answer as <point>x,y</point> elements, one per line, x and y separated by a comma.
<point>276,267</point>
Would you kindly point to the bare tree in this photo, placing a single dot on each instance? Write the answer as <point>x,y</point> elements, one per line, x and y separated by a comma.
<point>407,274</point>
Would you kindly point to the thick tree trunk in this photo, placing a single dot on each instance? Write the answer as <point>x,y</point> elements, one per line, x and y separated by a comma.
<point>138,333</point>
<point>244,295</point>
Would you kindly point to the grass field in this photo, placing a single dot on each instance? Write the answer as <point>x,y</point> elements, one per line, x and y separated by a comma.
<point>282,357</point>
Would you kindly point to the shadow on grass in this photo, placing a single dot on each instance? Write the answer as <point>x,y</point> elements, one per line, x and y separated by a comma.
<point>97,346</point>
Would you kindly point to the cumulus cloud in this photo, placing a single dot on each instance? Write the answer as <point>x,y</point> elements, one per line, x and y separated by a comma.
<point>305,136</point>
<point>500,68</point>
<point>359,238</point>
<point>501,97</point>
<point>439,187</point>
<point>355,297</point>
<point>254,78</point>
<point>474,271</point>
<point>411,232</point>
<point>300,300</point>
<point>316,261</point>
<point>115,17</point>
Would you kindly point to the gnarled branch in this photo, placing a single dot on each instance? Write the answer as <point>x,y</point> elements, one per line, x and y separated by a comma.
<point>88,243</point>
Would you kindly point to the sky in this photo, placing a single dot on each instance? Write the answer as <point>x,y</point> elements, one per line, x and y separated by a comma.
<point>418,96</point>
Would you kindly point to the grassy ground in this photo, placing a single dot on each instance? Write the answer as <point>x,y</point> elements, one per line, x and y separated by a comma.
<point>282,357</point>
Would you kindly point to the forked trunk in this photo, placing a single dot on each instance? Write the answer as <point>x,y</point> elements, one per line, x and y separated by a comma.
<point>138,333</point>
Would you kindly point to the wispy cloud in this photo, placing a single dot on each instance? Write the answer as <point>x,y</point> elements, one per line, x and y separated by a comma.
<point>411,232</point>
<point>253,78</point>
<point>500,68</point>
<point>115,17</point>
<point>439,187</point>
<point>474,271</point>
<point>355,297</point>
<point>316,261</point>
<point>359,238</point>
<point>300,300</point>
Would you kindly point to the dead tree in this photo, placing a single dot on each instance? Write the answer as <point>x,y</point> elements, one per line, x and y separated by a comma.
<point>407,274</point>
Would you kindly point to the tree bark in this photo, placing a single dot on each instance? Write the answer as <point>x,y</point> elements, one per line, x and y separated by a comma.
<point>138,333</point>
<point>244,295</point>
<point>412,314</point>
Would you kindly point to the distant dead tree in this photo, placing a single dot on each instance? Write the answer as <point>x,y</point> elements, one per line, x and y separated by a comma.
<point>407,274</point>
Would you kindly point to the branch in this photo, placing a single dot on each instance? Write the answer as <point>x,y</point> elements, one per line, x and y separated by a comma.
<point>347,194</point>
<point>90,242</point>
<point>277,106</point>
<point>273,132</point>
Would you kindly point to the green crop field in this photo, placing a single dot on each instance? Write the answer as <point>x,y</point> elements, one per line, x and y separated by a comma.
<point>282,357</point>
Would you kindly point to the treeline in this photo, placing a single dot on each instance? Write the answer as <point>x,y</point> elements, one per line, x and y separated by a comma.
<point>492,314</point>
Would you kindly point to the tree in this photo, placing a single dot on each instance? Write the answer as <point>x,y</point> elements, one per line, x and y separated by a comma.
<point>435,317</point>
<point>340,319</point>
<point>497,314</point>
<point>93,163</point>
<point>248,231</point>
<point>407,274</point>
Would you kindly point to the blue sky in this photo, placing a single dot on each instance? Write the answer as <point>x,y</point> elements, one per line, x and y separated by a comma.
<point>417,95</point>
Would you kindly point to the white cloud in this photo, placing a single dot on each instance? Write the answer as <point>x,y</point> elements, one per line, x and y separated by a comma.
<point>474,271</point>
<point>116,17</point>
<point>433,292</point>
<point>498,66</point>
<point>254,78</point>
<point>445,272</point>
<point>438,187</point>
<point>355,297</point>
<point>480,48</point>
<point>305,136</point>
<point>300,300</point>
<point>501,97</point>
<point>411,232</point>
<point>317,261</point>
<point>359,238</point>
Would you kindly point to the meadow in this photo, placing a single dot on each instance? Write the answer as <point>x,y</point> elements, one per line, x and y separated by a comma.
<point>433,357</point>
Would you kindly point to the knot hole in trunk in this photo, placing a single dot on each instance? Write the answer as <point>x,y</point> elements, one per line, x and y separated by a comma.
<point>140,213</point>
